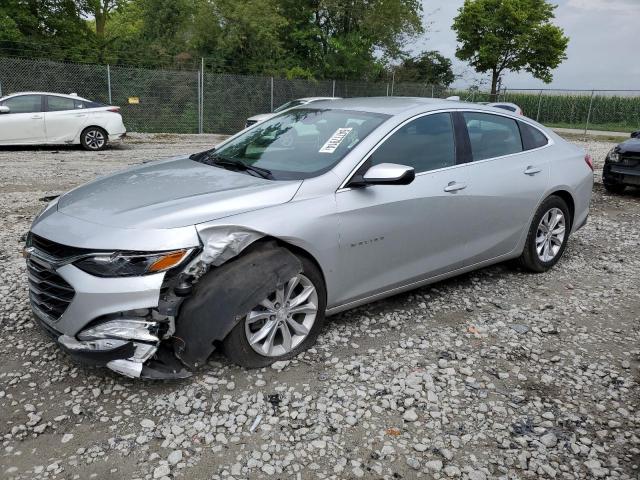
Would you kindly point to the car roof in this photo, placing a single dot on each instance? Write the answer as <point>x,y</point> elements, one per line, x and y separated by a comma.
<point>316,99</point>
<point>65,95</point>
<point>503,103</point>
<point>399,105</point>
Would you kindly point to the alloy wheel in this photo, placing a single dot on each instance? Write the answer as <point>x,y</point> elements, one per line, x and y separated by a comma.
<point>94,139</point>
<point>281,322</point>
<point>550,234</point>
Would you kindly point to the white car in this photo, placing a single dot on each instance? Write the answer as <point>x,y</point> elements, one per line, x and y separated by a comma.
<point>285,106</point>
<point>37,118</point>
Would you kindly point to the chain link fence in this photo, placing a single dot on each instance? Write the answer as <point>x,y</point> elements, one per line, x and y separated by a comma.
<point>201,101</point>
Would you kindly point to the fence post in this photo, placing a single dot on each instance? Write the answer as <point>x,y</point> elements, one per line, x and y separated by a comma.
<point>108,84</point>
<point>201,109</point>
<point>198,111</point>
<point>393,81</point>
<point>586,127</point>
<point>271,94</point>
<point>387,89</point>
<point>539,106</point>
<point>333,88</point>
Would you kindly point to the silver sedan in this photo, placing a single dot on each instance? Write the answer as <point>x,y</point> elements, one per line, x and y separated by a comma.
<point>248,246</point>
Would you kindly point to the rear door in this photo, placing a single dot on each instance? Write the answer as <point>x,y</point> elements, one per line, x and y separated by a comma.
<point>64,118</point>
<point>24,124</point>
<point>508,176</point>
<point>393,235</point>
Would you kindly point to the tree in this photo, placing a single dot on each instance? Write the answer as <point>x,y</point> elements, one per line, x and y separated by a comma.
<point>348,38</point>
<point>429,67</point>
<point>101,11</point>
<point>51,28</point>
<point>499,35</point>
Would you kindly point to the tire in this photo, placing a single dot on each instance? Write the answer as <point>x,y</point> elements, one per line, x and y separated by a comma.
<point>531,259</point>
<point>236,345</point>
<point>616,188</point>
<point>94,139</point>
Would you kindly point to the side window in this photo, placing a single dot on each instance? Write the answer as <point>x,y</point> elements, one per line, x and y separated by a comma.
<point>24,104</point>
<point>426,143</point>
<point>492,135</point>
<point>58,104</point>
<point>532,137</point>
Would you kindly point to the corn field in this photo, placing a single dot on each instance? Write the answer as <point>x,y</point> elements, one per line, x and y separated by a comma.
<point>605,110</point>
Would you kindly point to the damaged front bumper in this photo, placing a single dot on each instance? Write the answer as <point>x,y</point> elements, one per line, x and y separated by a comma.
<point>129,346</point>
<point>123,323</point>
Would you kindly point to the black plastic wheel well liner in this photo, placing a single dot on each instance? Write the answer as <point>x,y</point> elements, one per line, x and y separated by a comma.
<point>226,294</point>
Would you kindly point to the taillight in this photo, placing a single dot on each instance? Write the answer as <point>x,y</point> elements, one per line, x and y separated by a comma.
<point>589,161</point>
<point>113,109</point>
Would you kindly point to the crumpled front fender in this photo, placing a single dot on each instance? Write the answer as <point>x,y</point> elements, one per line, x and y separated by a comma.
<point>225,294</point>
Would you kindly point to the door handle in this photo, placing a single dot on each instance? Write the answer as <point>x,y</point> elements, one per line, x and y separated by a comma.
<point>531,170</point>
<point>36,117</point>
<point>81,115</point>
<point>454,187</point>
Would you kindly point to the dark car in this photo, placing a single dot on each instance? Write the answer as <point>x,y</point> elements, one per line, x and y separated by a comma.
<point>622,165</point>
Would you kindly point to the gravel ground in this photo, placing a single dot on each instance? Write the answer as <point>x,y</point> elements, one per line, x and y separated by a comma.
<point>496,374</point>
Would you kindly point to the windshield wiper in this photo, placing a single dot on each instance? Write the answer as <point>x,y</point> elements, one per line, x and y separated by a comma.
<point>208,157</point>
<point>262,172</point>
<point>201,155</point>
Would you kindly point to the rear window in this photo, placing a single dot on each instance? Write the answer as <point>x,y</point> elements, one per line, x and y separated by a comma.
<point>492,135</point>
<point>532,137</point>
<point>58,104</point>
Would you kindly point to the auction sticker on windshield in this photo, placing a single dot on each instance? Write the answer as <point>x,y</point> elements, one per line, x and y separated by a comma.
<point>335,140</point>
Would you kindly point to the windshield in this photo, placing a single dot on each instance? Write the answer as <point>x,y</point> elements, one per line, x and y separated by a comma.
<point>300,143</point>
<point>291,104</point>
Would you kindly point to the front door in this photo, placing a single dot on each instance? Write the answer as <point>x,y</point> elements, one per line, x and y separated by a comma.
<point>24,124</point>
<point>392,235</point>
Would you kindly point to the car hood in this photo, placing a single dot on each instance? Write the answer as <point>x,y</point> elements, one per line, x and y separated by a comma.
<point>630,146</point>
<point>172,193</point>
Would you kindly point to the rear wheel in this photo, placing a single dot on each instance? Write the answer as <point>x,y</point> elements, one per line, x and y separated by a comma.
<point>93,138</point>
<point>548,235</point>
<point>285,323</point>
<point>614,188</point>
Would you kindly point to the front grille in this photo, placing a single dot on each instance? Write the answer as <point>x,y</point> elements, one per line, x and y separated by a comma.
<point>54,249</point>
<point>630,161</point>
<point>49,292</point>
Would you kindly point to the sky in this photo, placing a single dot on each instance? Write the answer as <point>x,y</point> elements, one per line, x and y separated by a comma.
<point>603,52</point>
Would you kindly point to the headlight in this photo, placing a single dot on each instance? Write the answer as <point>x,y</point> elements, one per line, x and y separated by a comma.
<point>131,264</point>
<point>613,156</point>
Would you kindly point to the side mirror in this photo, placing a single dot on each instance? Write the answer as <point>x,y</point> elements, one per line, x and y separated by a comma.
<point>385,174</point>
<point>4,109</point>
<point>633,135</point>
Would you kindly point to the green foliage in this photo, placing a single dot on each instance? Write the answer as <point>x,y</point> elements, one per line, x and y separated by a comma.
<point>431,68</point>
<point>515,35</point>
<point>348,39</point>
<point>295,38</point>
